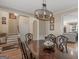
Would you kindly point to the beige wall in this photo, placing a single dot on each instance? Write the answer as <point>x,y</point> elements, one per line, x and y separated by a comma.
<point>42,29</point>
<point>58,25</point>
<point>3,27</point>
<point>11,24</point>
<point>25,23</point>
<point>58,29</point>
<point>35,30</point>
<point>32,20</point>
<point>26,26</point>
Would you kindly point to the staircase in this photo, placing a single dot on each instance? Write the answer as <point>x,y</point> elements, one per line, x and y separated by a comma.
<point>12,43</point>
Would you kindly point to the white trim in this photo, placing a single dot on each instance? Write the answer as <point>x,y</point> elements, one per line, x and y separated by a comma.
<point>15,11</point>
<point>66,11</point>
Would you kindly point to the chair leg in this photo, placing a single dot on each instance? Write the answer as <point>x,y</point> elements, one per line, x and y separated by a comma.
<point>57,46</point>
<point>23,57</point>
<point>66,49</point>
<point>32,57</point>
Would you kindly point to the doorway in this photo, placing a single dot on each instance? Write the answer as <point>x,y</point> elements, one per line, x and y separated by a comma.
<point>70,26</point>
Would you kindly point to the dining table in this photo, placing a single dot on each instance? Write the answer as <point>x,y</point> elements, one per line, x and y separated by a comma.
<point>37,48</point>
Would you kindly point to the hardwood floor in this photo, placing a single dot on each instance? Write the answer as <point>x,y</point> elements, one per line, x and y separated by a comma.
<point>72,53</point>
<point>12,54</point>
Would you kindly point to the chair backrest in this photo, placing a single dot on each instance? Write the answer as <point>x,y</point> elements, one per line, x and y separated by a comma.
<point>62,39</point>
<point>51,37</point>
<point>30,54</point>
<point>29,37</point>
<point>62,42</point>
<point>23,49</point>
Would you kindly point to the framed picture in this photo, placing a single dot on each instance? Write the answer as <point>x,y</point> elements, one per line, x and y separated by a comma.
<point>12,16</point>
<point>52,20</point>
<point>3,20</point>
<point>51,23</point>
<point>52,27</point>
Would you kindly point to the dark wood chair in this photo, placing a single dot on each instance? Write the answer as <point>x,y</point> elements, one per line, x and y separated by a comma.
<point>29,38</point>
<point>62,43</point>
<point>23,49</point>
<point>51,38</point>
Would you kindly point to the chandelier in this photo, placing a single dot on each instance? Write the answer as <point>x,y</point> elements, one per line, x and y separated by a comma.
<point>43,14</point>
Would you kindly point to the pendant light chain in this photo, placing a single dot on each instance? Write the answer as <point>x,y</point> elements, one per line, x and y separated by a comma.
<point>44,1</point>
<point>43,14</point>
<point>44,4</point>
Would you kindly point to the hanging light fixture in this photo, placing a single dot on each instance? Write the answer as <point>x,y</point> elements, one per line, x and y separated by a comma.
<point>43,14</point>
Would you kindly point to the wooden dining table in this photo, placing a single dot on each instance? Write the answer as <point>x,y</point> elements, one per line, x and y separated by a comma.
<point>37,48</point>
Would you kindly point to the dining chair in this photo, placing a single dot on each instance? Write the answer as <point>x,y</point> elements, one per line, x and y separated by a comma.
<point>23,49</point>
<point>62,43</point>
<point>29,38</point>
<point>52,38</point>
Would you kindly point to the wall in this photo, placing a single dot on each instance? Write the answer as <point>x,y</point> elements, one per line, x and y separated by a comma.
<point>23,26</point>
<point>25,23</point>
<point>42,29</point>
<point>70,18</point>
<point>32,20</point>
<point>5,11</point>
<point>26,26</point>
<point>3,27</point>
<point>35,30</point>
<point>11,24</point>
<point>58,25</point>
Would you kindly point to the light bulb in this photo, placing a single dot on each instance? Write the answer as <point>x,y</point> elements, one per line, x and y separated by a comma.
<point>15,14</point>
<point>44,13</point>
<point>36,13</point>
<point>50,15</point>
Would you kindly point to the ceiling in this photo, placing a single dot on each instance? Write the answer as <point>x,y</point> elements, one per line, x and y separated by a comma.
<point>71,18</point>
<point>31,5</point>
<point>73,15</point>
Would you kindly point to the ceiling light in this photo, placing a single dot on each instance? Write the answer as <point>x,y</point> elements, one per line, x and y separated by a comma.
<point>43,14</point>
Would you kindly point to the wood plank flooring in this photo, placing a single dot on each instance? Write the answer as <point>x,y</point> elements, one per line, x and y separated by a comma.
<point>12,54</point>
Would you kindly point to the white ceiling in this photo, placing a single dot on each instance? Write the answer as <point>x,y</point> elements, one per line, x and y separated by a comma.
<point>73,15</point>
<point>31,5</point>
